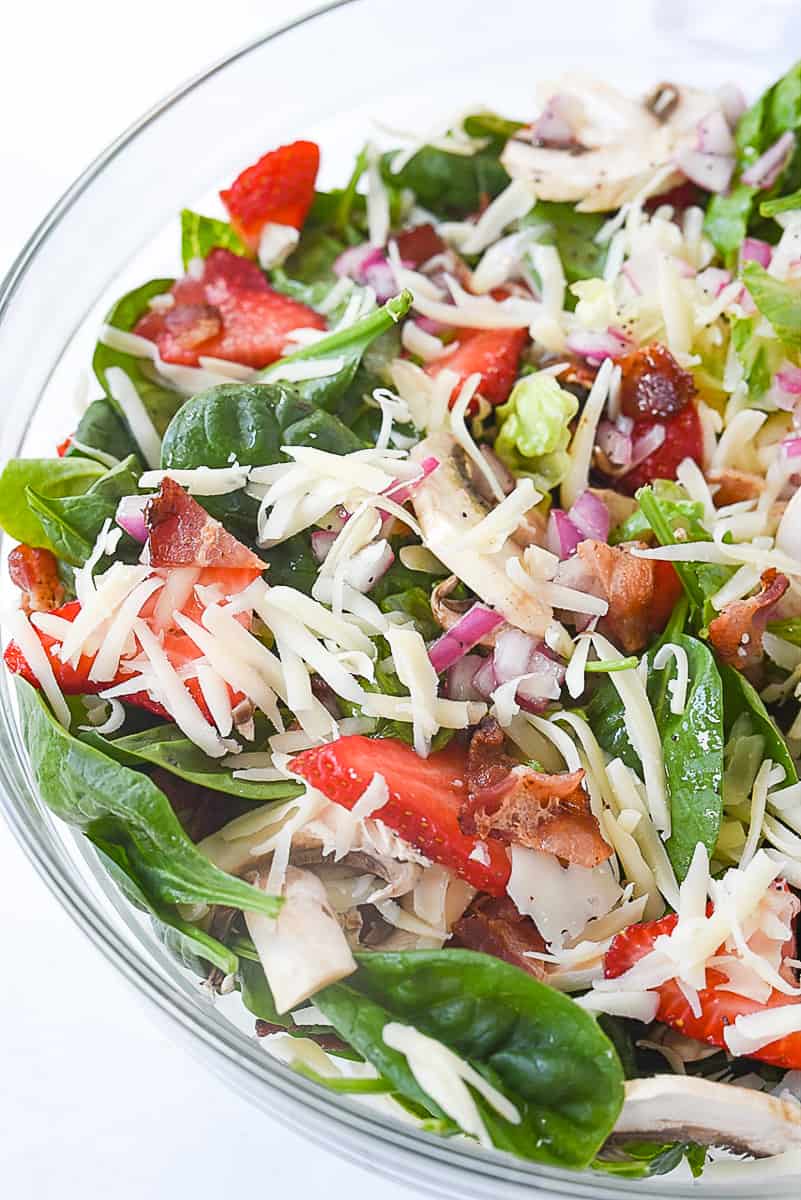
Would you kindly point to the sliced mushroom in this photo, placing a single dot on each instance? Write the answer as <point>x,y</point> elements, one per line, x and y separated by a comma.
<point>620,145</point>
<point>679,1108</point>
<point>448,507</point>
<point>304,949</point>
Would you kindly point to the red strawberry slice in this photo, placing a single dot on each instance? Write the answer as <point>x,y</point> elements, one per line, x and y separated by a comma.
<point>492,353</point>
<point>683,439</point>
<point>182,534</point>
<point>426,796</point>
<point>278,189</point>
<point>230,312</point>
<point>719,1009</point>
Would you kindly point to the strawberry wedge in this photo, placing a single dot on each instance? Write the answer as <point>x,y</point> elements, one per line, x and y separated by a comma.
<point>426,796</point>
<point>276,190</point>
<point>494,354</point>
<point>229,312</point>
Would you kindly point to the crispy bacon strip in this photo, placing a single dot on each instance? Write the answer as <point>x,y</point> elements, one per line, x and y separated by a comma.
<point>730,486</point>
<point>627,583</point>
<point>737,633</point>
<point>517,804</point>
<point>182,534</point>
<point>492,925</point>
<point>35,572</point>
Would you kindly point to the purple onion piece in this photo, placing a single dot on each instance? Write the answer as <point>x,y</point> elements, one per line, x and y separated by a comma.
<point>468,631</point>
<point>590,517</point>
<point>768,167</point>
<point>130,516</point>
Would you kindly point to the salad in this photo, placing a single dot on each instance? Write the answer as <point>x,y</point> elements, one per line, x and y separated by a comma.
<point>412,622</point>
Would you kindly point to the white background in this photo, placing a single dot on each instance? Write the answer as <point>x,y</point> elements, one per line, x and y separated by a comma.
<point>94,1098</point>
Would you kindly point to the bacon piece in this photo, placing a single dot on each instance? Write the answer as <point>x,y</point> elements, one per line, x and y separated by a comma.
<point>190,324</point>
<point>492,925</point>
<point>517,804</point>
<point>182,534</point>
<point>653,384</point>
<point>418,244</point>
<point>737,633</point>
<point>35,572</point>
<point>734,486</point>
<point>641,593</point>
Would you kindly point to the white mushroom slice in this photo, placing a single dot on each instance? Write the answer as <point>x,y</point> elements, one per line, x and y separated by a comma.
<point>624,148</point>
<point>447,506</point>
<point>680,1108</point>
<point>305,949</point>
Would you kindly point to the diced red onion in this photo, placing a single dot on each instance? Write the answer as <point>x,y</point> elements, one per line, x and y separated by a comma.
<point>351,262</point>
<point>615,443</point>
<point>504,477</point>
<point>788,377</point>
<point>714,135</point>
<point>380,276</point>
<point>732,101</point>
<point>554,127</point>
<point>595,347</point>
<point>647,444</point>
<point>590,516</point>
<point>562,536</point>
<point>792,447</point>
<point>321,542</point>
<point>548,676</point>
<point>485,680</point>
<point>512,654</point>
<point>769,166</point>
<point>130,516</point>
<point>400,492</point>
<point>468,631</point>
<point>755,250</point>
<point>714,279</point>
<point>369,565</point>
<point>430,326</point>
<point>712,172</point>
<point>459,682</point>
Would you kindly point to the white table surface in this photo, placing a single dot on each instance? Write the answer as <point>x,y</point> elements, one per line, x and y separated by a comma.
<point>94,1098</point>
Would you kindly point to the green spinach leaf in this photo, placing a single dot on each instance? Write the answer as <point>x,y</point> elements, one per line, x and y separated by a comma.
<point>545,1053</point>
<point>48,477</point>
<point>740,696</point>
<point>226,422</point>
<point>573,233</point>
<point>160,402</point>
<point>166,746</point>
<point>692,746</point>
<point>101,428</point>
<point>200,235</point>
<point>449,184</point>
<point>126,814</point>
<point>72,524</point>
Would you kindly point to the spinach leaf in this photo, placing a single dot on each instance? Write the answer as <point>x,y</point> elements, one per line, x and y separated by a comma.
<point>72,524</point>
<point>780,302</point>
<point>777,111</point>
<point>644,1160</point>
<point>193,947</point>
<point>692,746</point>
<point>200,235</point>
<point>258,999</point>
<point>700,580</point>
<point>760,357</point>
<point>679,510</point>
<point>448,184</point>
<point>160,402</point>
<point>47,477</point>
<point>166,746</point>
<point>308,273</point>
<point>324,431</point>
<point>102,428</point>
<point>789,629</point>
<point>226,422</point>
<point>535,1044</point>
<point>739,696</point>
<point>490,125</point>
<point>573,233</point>
<point>781,204</point>
<point>415,602</point>
<point>347,344</point>
<point>292,563</point>
<point>126,814</point>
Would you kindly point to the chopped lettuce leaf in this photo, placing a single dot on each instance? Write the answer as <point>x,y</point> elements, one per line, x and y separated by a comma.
<point>534,429</point>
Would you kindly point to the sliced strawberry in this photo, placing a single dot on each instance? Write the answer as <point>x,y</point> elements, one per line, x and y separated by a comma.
<point>494,354</point>
<point>230,312</point>
<point>425,798</point>
<point>182,534</point>
<point>667,592</point>
<point>278,189</point>
<point>63,447</point>
<point>683,439</point>
<point>719,1009</point>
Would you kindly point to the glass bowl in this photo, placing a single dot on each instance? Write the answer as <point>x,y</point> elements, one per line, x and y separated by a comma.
<point>323,77</point>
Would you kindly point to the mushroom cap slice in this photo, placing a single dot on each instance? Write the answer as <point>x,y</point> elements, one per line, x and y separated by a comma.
<point>304,949</point>
<point>447,506</point>
<point>681,1108</point>
<point>622,144</point>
